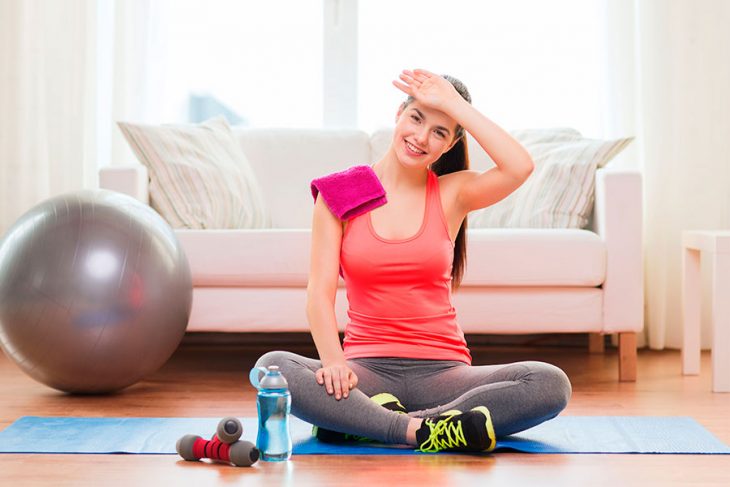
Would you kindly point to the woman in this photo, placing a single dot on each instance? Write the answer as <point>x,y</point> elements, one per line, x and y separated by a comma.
<point>404,374</point>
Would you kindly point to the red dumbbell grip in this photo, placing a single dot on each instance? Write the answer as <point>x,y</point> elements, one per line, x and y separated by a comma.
<point>214,449</point>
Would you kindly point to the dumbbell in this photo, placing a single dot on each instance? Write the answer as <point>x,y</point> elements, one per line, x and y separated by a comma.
<point>229,429</point>
<point>224,446</point>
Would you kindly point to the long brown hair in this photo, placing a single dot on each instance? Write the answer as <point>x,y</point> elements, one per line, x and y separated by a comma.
<point>456,159</point>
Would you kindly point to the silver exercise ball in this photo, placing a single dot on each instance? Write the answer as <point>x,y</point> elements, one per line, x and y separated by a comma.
<point>95,292</point>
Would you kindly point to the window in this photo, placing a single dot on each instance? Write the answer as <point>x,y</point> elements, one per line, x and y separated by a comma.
<point>526,63</point>
<point>258,62</point>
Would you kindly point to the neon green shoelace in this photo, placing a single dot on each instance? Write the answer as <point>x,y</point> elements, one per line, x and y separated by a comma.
<point>444,434</point>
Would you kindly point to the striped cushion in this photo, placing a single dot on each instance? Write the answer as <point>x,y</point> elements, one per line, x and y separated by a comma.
<point>560,191</point>
<point>199,175</point>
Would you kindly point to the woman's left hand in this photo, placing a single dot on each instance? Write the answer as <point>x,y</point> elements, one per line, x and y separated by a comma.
<point>428,88</point>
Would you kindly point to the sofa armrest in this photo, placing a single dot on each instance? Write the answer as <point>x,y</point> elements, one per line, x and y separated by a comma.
<point>131,179</point>
<point>618,220</point>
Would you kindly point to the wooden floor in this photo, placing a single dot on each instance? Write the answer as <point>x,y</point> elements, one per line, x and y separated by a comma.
<point>212,381</point>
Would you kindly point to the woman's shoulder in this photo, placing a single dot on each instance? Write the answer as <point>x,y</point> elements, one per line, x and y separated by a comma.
<point>464,174</point>
<point>450,189</point>
<point>456,178</point>
<point>453,181</point>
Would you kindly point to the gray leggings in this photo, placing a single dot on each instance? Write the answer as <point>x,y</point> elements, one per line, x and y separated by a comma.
<point>519,395</point>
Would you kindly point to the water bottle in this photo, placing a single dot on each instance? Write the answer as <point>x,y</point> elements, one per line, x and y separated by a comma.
<point>274,404</point>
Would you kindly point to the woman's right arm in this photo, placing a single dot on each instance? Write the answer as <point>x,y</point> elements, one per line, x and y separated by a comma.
<point>335,375</point>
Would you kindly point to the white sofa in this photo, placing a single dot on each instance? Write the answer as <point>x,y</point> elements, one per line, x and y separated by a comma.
<point>517,281</point>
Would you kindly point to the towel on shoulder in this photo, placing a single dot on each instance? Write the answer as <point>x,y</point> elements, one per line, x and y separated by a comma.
<point>351,192</point>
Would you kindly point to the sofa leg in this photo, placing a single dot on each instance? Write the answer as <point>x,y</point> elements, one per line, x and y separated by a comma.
<point>627,357</point>
<point>596,343</point>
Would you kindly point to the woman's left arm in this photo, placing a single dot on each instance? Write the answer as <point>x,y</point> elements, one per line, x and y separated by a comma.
<point>514,165</point>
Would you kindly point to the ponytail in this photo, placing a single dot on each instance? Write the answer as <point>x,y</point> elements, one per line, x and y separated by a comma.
<point>456,159</point>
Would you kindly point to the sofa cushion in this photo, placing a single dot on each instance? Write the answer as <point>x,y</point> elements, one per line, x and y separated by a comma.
<point>534,257</point>
<point>481,161</point>
<point>495,257</point>
<point>272,257</point>
<point>560,192</point>
<point>286,160</point>
<point>199,177</point>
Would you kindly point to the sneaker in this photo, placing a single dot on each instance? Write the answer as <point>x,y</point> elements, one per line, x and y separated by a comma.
<point>388,401</point>
<point>471,431</point>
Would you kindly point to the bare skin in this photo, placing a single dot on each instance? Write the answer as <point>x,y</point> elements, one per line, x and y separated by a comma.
<point>425,129</point>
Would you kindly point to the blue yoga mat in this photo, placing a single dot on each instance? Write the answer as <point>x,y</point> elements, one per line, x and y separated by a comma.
<point>565,434</point>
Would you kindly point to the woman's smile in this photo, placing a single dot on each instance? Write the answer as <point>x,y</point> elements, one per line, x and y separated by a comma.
<point>413,150</point>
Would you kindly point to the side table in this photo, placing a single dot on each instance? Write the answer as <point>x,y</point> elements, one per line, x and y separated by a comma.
<point>714,245</point>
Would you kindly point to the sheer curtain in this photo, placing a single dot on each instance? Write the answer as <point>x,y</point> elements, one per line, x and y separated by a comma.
<point>67,70</point>
<point>670,76</point>
<point>685,120</point>
<point>135,75</point>
<point>47,93</point>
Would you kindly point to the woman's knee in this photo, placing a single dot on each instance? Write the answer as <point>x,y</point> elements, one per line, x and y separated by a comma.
<point>290,364</point>
<point>554,384</point>
<point>281,359</point>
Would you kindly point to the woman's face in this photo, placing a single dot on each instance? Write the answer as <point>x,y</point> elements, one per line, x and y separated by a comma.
<point>422,135</point>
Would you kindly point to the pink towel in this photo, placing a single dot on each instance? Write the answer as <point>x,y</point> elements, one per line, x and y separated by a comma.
<point>351,192</point>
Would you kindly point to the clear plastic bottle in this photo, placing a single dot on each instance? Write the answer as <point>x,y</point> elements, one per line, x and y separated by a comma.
<point>274,405</point>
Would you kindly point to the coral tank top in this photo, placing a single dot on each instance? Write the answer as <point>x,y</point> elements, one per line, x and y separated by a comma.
<point>399,291</point>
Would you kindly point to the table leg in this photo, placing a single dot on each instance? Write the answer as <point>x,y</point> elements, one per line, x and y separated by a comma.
<point>721,323</point>
<point>691,293</point>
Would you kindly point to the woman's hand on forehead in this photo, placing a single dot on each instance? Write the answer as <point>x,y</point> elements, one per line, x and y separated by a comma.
<point>427,88</point>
